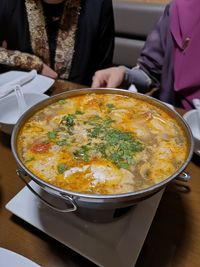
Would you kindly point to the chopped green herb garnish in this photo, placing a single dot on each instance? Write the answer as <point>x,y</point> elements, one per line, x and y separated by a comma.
<point>95,132</point>
<point>94,120</point>
<point>110,106</point>
<point>61,168</point>
<point>123,165</point>
<point>29,160</point>
<point>113,144</point>
<point>113,136</point>
<point>102,149</point>
<point>78,112</point>
<point>52,134</point>
<point>62,101</point>
<point>68,120</point>
<point>61,142</point>
<point>116,145</point>
<point>100,125</point>
<point>83,153</point>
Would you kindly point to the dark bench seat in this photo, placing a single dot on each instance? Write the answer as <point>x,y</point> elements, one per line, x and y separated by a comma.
<point>133,22</point>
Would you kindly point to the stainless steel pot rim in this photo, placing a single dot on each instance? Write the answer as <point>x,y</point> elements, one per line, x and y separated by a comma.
<point>52,99</point>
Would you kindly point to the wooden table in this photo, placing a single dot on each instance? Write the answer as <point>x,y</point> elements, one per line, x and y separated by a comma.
<point>173,239</point>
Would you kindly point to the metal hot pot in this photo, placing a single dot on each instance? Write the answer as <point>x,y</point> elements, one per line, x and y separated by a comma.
<point>76,200</point>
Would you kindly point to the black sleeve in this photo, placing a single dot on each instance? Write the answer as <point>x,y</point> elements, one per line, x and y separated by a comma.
<point>3,19</point>
<point>94,42</point>
<point>105,41</point>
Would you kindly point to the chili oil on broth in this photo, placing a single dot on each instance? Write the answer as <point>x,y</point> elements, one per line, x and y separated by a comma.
<point>102,143</point>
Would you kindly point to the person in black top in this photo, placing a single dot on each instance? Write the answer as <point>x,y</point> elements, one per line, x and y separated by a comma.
<point>69,39</point>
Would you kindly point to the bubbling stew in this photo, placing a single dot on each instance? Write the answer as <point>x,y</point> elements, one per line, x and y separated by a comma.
<point>102,144</point>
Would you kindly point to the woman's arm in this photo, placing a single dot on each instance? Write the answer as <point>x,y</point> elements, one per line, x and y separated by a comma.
<point>16,58</point>
<point>153,54</point>
<point>20,60</point>
<point>147,73</point>
<point>13,58</point>
<point>25,61</point>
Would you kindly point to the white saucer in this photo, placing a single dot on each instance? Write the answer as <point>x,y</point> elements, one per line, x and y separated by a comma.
<point>9,258</point>
<point>117,243</point>
<point>39,84</point>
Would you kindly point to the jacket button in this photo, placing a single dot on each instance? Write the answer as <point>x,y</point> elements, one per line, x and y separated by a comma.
<point>186,43</point>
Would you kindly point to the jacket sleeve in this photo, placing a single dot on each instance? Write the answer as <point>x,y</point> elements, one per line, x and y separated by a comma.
<point>105,43</point>
<point>151,58</point>
<point>3,17</point>
<point>20,60</point>
<point>10,59</point>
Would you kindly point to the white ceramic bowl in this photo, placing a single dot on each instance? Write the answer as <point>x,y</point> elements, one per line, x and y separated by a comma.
<point>192,117</point>
<point>9,112</point>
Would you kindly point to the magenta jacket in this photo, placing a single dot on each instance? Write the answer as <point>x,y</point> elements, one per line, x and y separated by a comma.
<point>156,60</point>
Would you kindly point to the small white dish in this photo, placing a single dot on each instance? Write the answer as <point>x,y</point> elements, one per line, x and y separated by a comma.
<point>9,258</point>
<point>39,84</point>
<point>192,117</point>
<point>9,111</point>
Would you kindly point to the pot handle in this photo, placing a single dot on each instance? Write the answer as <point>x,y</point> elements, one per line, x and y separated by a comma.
<point>22,175</point>
<point>184,177</point>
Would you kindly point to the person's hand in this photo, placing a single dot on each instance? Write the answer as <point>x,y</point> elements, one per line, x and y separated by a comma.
<point>4,44</point>
<point>111,77</point>
<point>47,71</point>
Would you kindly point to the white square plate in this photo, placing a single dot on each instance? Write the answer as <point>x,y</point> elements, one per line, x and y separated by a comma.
<point>117,243</point>
<point>38,85</point>
<point>9,258</point>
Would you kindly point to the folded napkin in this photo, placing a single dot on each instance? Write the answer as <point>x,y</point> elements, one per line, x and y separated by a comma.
<point>9,87</point>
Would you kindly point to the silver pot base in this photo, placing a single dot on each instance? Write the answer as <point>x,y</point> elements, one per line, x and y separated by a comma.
<point>102,216</point>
